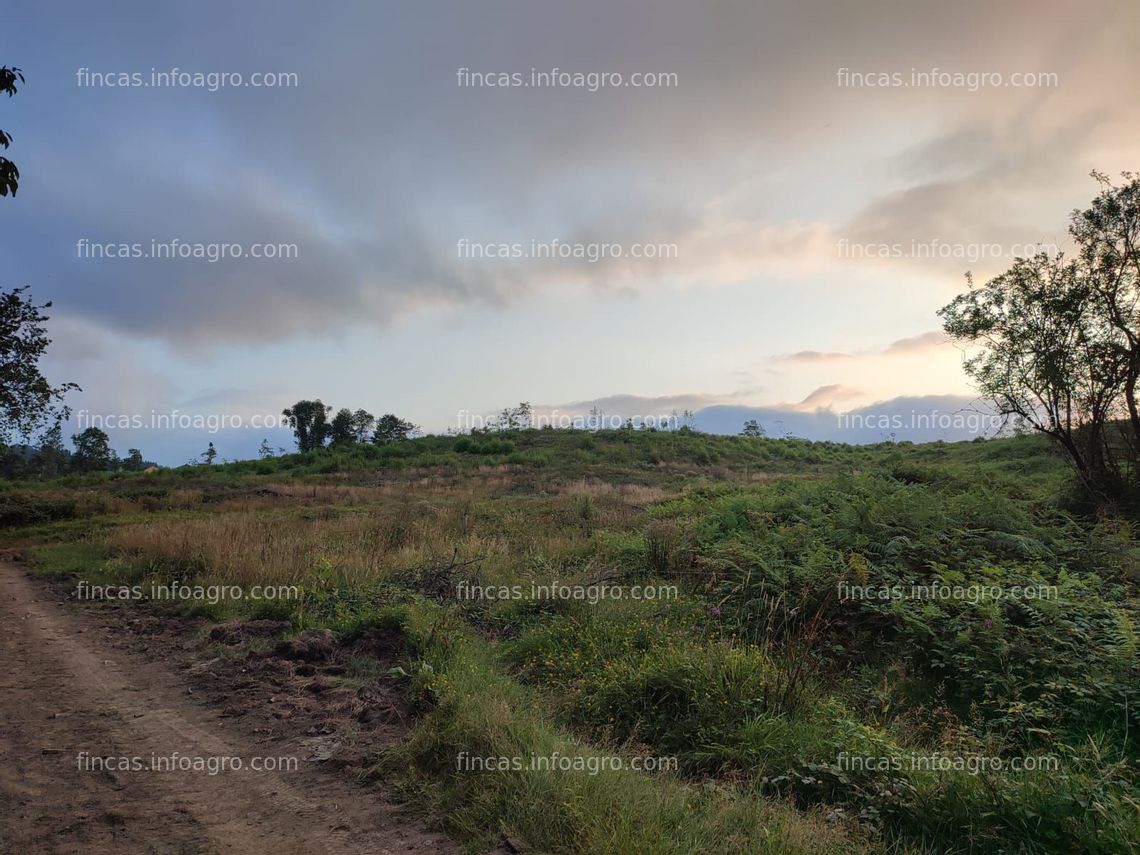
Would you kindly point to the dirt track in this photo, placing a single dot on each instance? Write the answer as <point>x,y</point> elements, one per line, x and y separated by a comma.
<point>65,688</point>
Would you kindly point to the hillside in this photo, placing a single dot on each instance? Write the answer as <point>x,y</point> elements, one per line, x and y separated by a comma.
<point>728,644</point>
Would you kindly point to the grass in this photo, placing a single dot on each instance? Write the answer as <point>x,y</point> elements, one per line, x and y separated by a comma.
<point>753,673</point>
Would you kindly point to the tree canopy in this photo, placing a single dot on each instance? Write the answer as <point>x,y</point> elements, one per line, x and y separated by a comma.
<point>1055,340</point>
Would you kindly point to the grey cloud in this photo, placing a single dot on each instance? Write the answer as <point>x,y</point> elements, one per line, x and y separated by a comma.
<point>926,418</point>
<point>379,162</point>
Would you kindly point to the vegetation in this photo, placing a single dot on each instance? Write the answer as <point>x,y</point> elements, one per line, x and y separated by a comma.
<point>27,399</point>
<point>804,648</point>
<point>9,174</point>
<point>1059,341</point>
<point>806,711</point>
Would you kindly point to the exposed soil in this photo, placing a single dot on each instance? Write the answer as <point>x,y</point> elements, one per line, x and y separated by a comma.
<point>119,681</point>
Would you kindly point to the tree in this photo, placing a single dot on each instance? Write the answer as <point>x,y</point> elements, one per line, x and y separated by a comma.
<point>342,430</point>
<point>362,422</point>
<point>92,451</point>
<point>209,455</point>
<point>516,418</point>
<point>391,428</point>
<point>9,174</point>
<point>27,399</point>
<point>13,462</point>
<point>134,461</point>
<point>265,449</point>
<point>1044,358</point>
<point>51,458</point>
<point>752,428</point>
<point>1108,234</point>
<point>309,420</point>
<point>1057,340</point>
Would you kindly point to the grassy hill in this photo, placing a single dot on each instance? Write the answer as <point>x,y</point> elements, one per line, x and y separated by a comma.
<point>830,648</point>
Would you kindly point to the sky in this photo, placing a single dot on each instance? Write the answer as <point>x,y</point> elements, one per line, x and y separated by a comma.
<point>768,223</point>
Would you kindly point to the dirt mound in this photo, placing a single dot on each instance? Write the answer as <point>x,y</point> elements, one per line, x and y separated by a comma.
<point>235,632</point>
<point>312,645</point>
<point>382,643</point>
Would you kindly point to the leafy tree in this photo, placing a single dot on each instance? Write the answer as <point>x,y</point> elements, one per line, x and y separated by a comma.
<point>1057,340</point>
<point>309,420</point>
<point>752,428</point>
<point>516,418</point>
<point>362,422</point>
<point>210,454</point>
<point>1108,234</point>
<point>265,449</point>
<point>134,461</point>
<point>13,462</point>
<point>342,429</point>
<point>92,451</point>
<point>391,428</point>
<point>9,174</point>
<point>51,458</point>
<point>27,399</point>
<point>1044,358</point>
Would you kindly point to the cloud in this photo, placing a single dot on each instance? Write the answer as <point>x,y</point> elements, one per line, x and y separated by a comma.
<point>914,344</point>
<point>813,356</point>
<point>630,406</point>
<point>925,341</point>
<point>756,167</point>
<point>925,418</point>
<point>379,162</point>
<point>828,395</point>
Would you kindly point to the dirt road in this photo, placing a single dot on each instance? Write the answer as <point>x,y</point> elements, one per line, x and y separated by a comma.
<point>66,689</point>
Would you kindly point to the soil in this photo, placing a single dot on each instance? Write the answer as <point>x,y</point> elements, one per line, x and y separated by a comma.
<point>93,697</point>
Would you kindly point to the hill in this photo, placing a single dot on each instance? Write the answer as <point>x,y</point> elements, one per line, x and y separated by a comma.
<point>707,643</point>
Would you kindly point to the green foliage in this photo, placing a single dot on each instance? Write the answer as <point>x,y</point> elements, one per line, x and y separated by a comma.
<point>92,451</point>
<point>27,399</point>
<point>391,428</point>
<point>9,174</point>
<point>1056,342</point>
<point>309,420</point>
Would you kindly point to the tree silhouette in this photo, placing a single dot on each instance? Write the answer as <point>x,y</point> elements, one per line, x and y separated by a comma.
<point>9,174</point>
<point>27,399</point>
<point>1056,341</point>
<point>309,420</point>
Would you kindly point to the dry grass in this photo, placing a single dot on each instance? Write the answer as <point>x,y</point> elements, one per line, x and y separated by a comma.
<point>358,534</point>
<point>353,535</point>
<point>638,495</point>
